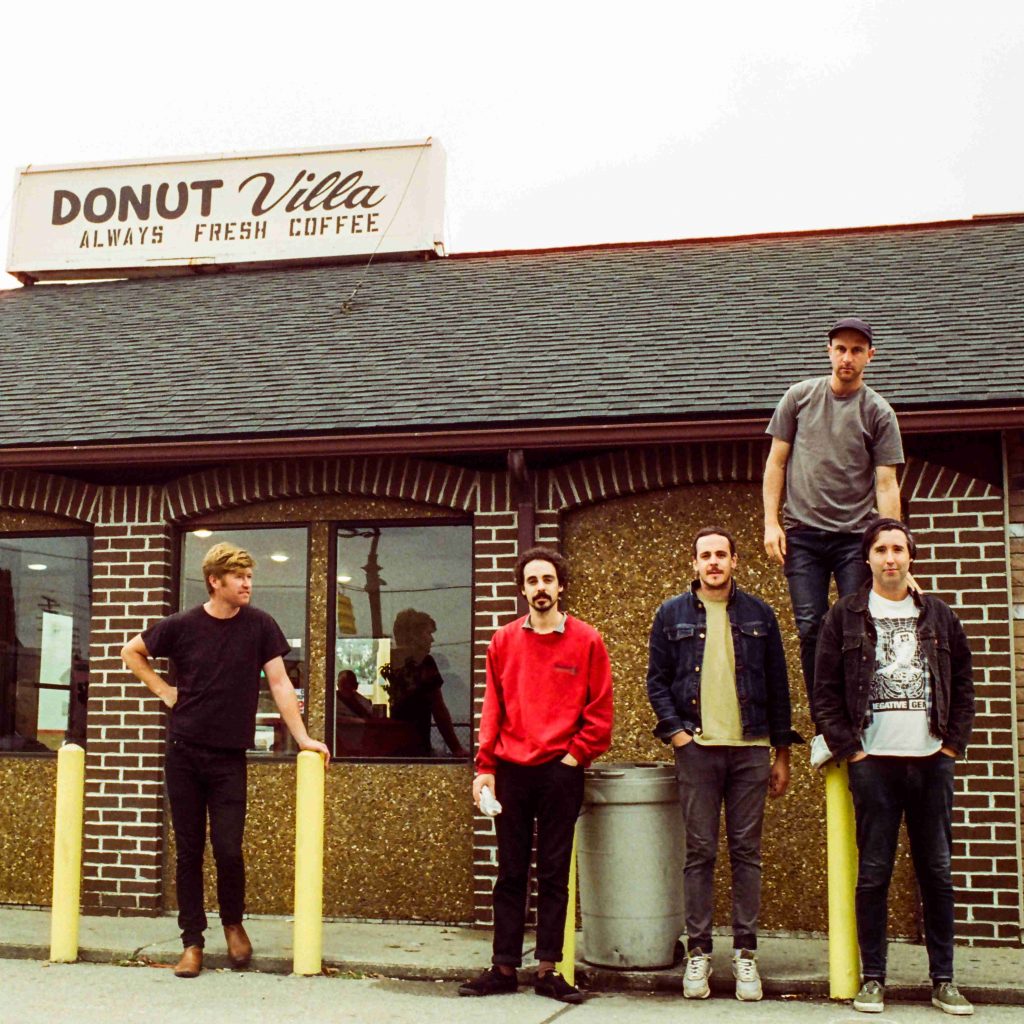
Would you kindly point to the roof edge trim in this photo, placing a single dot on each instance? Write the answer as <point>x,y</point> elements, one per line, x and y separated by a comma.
<point>477,439</point>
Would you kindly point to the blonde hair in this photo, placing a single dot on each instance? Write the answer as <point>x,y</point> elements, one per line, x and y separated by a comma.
<point>225,558</point>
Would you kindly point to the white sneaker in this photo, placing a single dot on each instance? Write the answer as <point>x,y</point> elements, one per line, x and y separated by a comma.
<point>748,981</point>
<point>695,980</point>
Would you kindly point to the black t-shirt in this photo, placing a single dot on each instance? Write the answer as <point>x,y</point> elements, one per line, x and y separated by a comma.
<point>217,665</point>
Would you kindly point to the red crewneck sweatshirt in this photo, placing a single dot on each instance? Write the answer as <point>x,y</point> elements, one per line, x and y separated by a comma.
<point>547,694</point>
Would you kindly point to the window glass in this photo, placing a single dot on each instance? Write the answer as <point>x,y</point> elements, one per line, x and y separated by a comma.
<point>402,646</point>
<point>280,585</point>
<point>44,640</point>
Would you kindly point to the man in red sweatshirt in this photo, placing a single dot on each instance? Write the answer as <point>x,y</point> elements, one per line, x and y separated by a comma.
<point>547,714</point>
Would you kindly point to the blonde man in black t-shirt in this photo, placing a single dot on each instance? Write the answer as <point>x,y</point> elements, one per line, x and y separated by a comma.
<point>218,650</point>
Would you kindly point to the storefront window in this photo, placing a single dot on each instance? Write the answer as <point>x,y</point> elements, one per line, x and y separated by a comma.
<point>280,585</point>
<point>402,645</point>
<point>44,640</point>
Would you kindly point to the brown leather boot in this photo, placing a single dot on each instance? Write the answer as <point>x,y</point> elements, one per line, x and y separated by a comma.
<point>191,962</point>
<point>239,946</point>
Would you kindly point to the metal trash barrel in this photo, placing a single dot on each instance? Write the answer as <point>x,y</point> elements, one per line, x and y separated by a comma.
<point>631,850</point>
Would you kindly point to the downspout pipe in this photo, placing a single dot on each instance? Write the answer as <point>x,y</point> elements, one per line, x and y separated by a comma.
<point>524,501</point>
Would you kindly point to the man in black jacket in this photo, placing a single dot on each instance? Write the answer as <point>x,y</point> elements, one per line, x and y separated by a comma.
<point>893,695</point>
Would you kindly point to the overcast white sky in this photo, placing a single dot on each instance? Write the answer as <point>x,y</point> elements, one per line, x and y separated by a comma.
<point>564,123</point>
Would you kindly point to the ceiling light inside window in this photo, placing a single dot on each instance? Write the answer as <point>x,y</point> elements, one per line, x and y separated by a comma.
<point>344,579</point>
<point>37,566</point>
<point>279,556</point>
<point>203,533</point>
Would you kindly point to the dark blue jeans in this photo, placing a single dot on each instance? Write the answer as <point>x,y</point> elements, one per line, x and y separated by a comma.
<point>551,795</point>
<point>886,789</point>
<point>813,557</point>
<point>201,781</point>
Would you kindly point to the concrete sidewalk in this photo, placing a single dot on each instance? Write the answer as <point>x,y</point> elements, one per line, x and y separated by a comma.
<point>789,966</point>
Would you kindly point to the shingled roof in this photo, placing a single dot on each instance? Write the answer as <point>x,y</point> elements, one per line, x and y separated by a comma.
<point>686,330</point>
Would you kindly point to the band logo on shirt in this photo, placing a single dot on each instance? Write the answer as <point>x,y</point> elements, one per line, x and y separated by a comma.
<point>899,680</point>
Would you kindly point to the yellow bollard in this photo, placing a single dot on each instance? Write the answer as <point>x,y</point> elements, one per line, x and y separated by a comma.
<point>307,938</point>
<point>843,951</point>
<point>567,965</point>
<point>67,854</point>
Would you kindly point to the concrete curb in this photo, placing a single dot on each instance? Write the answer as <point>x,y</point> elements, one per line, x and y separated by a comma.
<point>592,979</point>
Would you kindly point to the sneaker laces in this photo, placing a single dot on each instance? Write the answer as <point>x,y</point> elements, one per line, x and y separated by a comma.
<point>696,967</point>
<point>746,969</point>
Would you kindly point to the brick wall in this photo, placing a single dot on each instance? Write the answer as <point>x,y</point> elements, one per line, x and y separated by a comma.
<point>959,523</point>
<point>123,843</point>
<point>960,528</point>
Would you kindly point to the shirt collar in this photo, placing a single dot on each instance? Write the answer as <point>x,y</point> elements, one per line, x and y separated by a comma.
<point>560,628</point>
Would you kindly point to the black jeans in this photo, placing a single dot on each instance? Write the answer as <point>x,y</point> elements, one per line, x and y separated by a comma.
<point>201,781</point>
<point>551,795</point>
<point>813,557</point>
<point>885,789</point>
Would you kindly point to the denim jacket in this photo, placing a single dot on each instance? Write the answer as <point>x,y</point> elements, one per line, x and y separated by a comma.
<point>845,666</point>
<point>677,653</point>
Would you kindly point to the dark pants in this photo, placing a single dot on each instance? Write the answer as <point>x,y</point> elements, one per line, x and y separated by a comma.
<point>708,777</point>
<point>885,789</point>
<point>551,795</point>
<point>203,780</point>
<point>812,558</point>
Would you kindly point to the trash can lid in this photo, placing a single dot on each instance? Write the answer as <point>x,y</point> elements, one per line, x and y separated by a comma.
<point>630,782</point>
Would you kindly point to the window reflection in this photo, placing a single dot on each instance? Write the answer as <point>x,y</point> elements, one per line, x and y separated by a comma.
<point>280,587</point>
<point>403,641</point>
<point>44,640</point>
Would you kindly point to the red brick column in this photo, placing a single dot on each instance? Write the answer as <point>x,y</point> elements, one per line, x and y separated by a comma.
<point>960,528</point>
<point>123,843</point>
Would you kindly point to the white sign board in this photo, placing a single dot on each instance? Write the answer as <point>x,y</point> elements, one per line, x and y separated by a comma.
<point>104,220</point>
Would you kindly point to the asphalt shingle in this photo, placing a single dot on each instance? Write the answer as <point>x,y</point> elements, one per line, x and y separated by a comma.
<point>682,329</point>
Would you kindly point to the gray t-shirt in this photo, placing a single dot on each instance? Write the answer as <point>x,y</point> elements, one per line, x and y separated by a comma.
<point>837,440</point>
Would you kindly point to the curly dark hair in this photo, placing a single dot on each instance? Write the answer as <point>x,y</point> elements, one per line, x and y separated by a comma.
<point>546,555</point>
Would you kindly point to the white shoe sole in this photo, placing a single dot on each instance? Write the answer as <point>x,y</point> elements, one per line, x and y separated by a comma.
<point>869,1007</point>
<point>956,1011</point>
<point>753,997</point>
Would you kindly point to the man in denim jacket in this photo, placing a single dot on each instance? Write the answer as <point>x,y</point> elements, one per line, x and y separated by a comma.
<point>893,694</point>
<point>718,684</point>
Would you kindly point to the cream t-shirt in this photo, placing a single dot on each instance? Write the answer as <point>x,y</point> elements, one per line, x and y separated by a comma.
<point>721,724</point>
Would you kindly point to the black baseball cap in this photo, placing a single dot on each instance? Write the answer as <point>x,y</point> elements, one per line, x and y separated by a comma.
<point>852,323</point>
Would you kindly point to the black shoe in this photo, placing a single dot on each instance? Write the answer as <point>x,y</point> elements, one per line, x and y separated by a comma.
<point>490,983</point>
<point>554,986</point>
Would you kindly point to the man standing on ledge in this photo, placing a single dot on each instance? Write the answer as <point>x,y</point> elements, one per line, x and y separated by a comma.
<point>547,714</point>
<point>836,445</point>
<point>717,681</point>
<point>218,650</point>
<point>894,695</point>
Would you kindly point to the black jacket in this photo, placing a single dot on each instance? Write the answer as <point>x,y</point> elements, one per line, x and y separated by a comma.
<point>845,665</point>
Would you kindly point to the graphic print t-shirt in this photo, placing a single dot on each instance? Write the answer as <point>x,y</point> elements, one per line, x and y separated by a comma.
<point>898,701</point>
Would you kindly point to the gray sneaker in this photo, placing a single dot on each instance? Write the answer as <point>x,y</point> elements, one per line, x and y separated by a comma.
<point>748,981</point>
<point>870,998</point>
<point>695,980</point>
<point>946,996</point>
